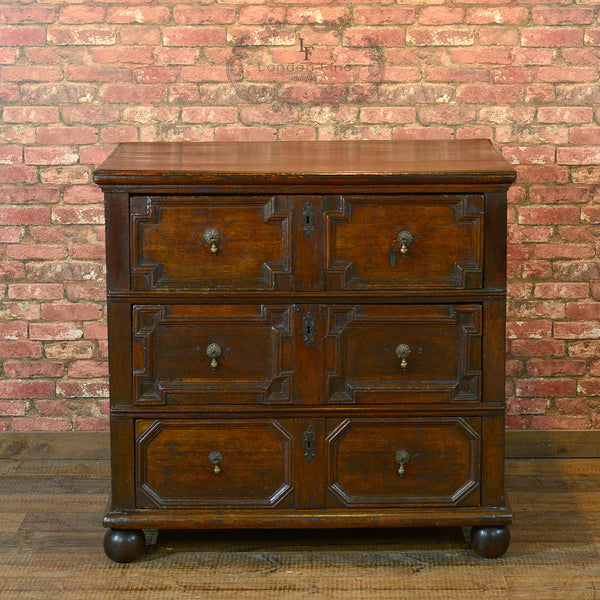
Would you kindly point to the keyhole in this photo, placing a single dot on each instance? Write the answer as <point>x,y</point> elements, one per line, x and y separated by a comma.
<point>307,219</point>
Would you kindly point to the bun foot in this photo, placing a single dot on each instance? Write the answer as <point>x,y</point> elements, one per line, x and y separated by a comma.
<point>490,542</point>
<point>124,545</point>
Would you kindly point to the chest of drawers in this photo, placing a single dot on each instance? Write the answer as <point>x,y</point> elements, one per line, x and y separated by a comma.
<point>306,334</point>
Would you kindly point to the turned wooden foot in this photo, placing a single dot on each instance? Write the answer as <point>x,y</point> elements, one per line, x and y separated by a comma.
<point>124,545</point>
<point>490,542</point>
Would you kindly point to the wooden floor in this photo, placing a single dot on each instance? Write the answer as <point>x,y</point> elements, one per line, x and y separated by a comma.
<point>51,547</point>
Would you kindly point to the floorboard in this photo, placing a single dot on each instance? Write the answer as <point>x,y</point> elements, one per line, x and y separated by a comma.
<point>51,547</point>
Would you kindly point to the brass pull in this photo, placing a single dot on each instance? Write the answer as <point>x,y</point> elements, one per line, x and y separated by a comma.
<point>402,458</point>
<point>213,351</point>
<point>403,352</point>
<point>405,238</point>
<point>215,458</point>
<point>212,237</point>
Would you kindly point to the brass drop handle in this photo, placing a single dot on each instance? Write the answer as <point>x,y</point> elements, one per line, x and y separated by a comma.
<point>213,351</point>
<point>403,351</point>
<point>212,237</point>
<point>215,458</point>
<point>402,458</point>
<point>405,239</point>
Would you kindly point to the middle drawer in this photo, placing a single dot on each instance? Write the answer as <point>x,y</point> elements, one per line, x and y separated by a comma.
<point>211,355</point>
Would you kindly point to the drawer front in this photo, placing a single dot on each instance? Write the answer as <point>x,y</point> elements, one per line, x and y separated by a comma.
<point>400,462</point>
<point>229,242</point>
<point>403,354</point>
<point>212,354</point>
<point>219,463</point>
<point>404,242</point>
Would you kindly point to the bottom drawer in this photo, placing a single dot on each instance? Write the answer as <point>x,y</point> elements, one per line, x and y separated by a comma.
<point>202,463</point>
<point>403,462</point>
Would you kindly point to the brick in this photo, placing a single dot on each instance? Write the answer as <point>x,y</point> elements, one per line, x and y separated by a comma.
<point>53,155</point>
<point>54,331</point>
<point>20,73</point>
<point>562,290</point>
<point>134,55</point>
<point>541,174</point>
<point>259,14</point>
<point>120,93</point>
<point>528,406</point>
<point>197,37</point>
<point>22,36</point>
<point>505,75</point>
<point>68,350</point>
<point>20,349</point>
<point>88,369</point>
<point>82,389</point>
<point>30,114</point>
<point>41,424</point>
<point>32,291</point>
<point>542,15</point>
<point>115,135</point>
<point>67,135</point>
<point>538,329</point>
<point>82,36</point>
<point>383,15</point>
<point>584,349</point>
<point>79,14</point>
<point>533,56</point>
<point>13,330</point>
<point>35,252</point>
<point>537,155</point>
<point>26,389</point>
<point>502,15</point>
<point>11,155</point>
<point>543,388</point>
<point>547,37</point>
<point>267,114</point>
<point>554,368</point>
<point>244,134</point>
<point>138,14</point>
<point>579,155</point>
<point>304,133</point>
<point>583,310</point>
<point>209,114</point>
<point>87,252</point>
<point>485,94</point>
<point>77,214</point>
<point>572,74</point>
<point>577,330</point>
<point>17,174</point>
<point>13,408</point>
<point>481,55</point>
<point>532,347</point>
<point>95,331</point>
<point>440,36</point>
<point>72,115</point>
<point>547,215</point>
<point>33,369</point>
<point>67,311</point>
<point>392,114</point>
<point>91,423</point>
<point>563,250</point>
<point>498,35</point>
<point>195,15</point>
<point>441,15</point>
<point>584,135</point>
<point>560,422</point>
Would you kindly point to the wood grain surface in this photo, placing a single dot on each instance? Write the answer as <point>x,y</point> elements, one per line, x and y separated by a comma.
<point>51,547</point>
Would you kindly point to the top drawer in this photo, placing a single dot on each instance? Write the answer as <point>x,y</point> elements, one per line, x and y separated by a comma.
<point>258,243</point>
<point>196,242</point>
<point>405,242</point>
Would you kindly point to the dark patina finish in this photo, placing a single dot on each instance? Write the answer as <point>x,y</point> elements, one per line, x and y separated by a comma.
<point>306,334</point>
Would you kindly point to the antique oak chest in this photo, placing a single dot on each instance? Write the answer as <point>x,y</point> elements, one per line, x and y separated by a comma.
<point>306,334</point>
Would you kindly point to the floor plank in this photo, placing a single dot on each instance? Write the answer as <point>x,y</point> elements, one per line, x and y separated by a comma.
<point>51,547</point>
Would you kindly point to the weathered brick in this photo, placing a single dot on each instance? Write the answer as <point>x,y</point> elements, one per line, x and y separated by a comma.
<point>540,387</point>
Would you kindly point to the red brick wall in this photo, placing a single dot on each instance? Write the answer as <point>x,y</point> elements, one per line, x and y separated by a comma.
<point>76,78</point>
